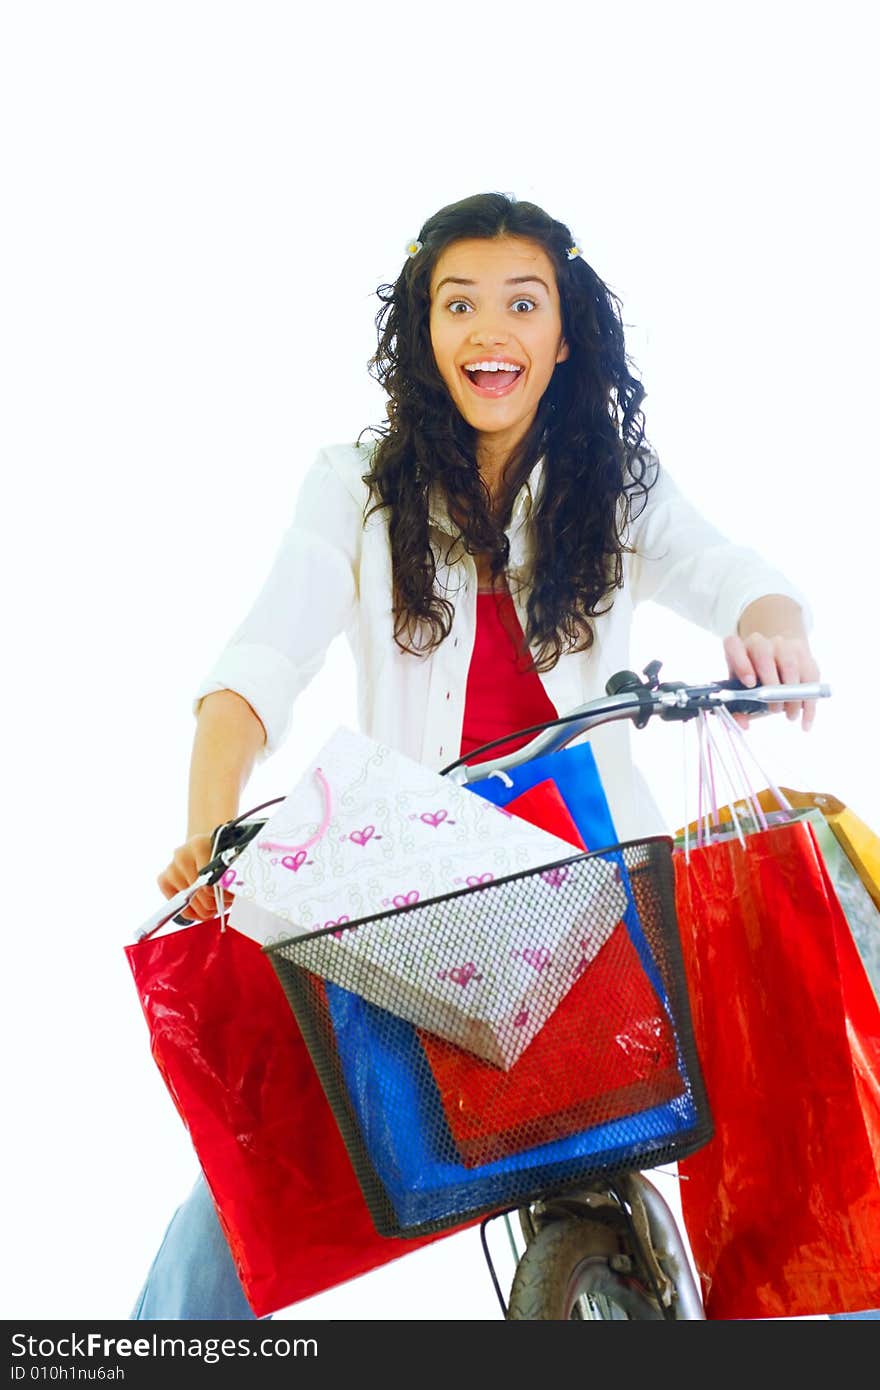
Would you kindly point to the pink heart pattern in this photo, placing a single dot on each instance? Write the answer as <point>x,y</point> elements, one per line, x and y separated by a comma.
<point>435,818</point>
<point>537,959</point>
<point>460,974</point>
<point>337,922</point>
<point>474,879</point>
<point>555,876</point>
<point>406,899</point>
<point>294,861</point>
<point>360,837</point>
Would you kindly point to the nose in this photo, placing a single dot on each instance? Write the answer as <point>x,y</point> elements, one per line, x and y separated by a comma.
<point>483,335</point>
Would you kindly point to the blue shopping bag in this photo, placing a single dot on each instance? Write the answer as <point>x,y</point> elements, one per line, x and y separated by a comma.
<point>401,1119</point>
<point>574,771</point>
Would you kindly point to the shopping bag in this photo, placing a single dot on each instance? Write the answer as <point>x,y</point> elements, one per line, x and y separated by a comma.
<point>862,916</point>
<point>782,1207</point>
<point>374,831</point>
<point>403,1127</point>
<point>389,1101</point>
<point>229,1049</point>
<point>607,1051</point>
<point>859,843</point>
<point>574,773</point>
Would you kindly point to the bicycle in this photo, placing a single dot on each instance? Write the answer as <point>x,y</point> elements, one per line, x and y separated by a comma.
<point>609,1249</point>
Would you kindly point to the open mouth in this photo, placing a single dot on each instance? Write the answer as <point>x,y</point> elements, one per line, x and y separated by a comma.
<point>493,383</point>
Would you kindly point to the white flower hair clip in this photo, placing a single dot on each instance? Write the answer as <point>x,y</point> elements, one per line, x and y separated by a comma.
<point>574,251</point>
<point>413,248</point>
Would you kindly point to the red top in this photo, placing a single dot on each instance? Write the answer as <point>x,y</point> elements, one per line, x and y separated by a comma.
<point>504,691</point>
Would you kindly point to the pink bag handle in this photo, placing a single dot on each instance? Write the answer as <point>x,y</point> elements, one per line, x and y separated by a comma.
<point>705,819</point>
<point>737,733</point>
<point>735,744</point>
<point>732,794</point>
<point>707,796</point>
<point>322,828</point>
<point>181,900</point>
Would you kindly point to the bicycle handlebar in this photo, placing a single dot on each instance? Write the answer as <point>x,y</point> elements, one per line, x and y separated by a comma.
<point>671,701</point>
<point>628,697</point>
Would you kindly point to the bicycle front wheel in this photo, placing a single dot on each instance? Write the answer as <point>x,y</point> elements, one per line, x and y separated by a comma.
<point>574,1270</point>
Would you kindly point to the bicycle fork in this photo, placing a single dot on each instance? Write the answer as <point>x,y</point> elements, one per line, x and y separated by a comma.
<point>661,1246</point>
<point>648,1227</point>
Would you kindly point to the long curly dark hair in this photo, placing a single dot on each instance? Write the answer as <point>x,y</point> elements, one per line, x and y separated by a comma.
<point>589,427</point>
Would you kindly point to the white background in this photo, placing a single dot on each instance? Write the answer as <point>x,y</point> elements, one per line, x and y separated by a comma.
<point>199,202</point>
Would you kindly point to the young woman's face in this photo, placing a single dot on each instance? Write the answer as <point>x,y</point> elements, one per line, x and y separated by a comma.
<point>496,302</point>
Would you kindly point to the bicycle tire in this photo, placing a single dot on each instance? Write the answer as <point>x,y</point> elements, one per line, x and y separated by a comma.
<point>566,1274</point>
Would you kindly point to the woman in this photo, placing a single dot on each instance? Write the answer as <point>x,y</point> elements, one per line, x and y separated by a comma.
<point>483,556</point>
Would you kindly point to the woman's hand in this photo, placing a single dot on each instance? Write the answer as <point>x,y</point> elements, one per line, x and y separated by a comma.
<point>186,864</point>
<point>756,659</point>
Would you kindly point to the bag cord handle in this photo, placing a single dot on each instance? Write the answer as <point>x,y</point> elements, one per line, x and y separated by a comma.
<point>322,828</point>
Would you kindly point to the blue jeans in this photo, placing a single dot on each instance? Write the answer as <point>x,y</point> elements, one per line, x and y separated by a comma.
<point>193,1275</point>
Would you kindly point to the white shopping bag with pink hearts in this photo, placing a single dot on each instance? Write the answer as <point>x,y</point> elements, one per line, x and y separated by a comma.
<point>367,831</point>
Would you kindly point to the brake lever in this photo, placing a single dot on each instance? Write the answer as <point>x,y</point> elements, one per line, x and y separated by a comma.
<point>227,837</point>
<point>676,706</point>
<point>754,708</point>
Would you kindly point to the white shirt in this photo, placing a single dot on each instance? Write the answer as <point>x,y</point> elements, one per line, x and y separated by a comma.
<point>332,573</point>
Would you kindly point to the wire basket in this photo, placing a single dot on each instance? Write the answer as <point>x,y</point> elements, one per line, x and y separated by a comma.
<point>515,1038</point>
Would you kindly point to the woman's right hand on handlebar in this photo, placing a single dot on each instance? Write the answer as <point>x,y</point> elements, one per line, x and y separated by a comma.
<point>186,864</point>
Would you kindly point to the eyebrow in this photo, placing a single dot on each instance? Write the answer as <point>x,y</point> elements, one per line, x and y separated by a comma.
<point>517,280</point>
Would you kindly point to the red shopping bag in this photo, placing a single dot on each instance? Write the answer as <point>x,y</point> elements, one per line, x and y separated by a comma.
<point>610,1016</point>
<point>607,1051</point>
<point>782,1207</point>
<point>543,805</point>
<point>227,1044</point>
